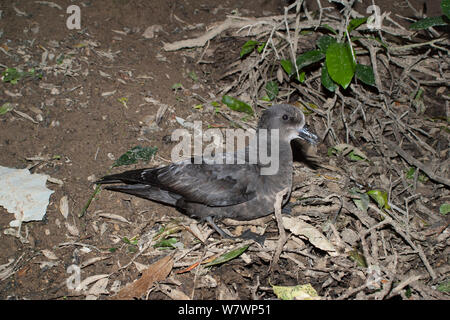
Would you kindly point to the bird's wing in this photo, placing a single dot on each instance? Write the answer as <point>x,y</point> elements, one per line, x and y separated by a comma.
<point>211,185</point>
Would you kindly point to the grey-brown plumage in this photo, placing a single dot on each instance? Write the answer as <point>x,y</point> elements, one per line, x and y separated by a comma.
<point>209,191</point>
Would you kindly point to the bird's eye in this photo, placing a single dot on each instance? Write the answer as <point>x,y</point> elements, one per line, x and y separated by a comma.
<point>285,117</point>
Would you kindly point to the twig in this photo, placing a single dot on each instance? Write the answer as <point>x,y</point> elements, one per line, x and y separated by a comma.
<point>403,284</point>
<point>283,237</point>
<point>412,161</point>
<point>415,45</point>
<point>402,233</point>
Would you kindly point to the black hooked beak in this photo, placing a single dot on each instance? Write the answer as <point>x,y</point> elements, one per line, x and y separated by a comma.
<point>307,135</point>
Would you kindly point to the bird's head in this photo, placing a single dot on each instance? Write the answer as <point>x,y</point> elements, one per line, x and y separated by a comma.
<point>289,120</point>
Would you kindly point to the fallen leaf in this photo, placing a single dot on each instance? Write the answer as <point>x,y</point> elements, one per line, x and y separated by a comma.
<point>227,256</point>
<point>114,217</point>
<point>140,266</point>
<point>64,206</point>
<point>99,287</point>
<point>49,254</point>
<point>347,148</point>
<point>73,230</point>
<point>86,282</point>
<point>92,261</point>
<point>149,33</point>
<point>315,237</point>
<point>173,294</point>
<point>300,292</point>
<point>24,115</point>
<point>156,272</point>
<point>381,198</point>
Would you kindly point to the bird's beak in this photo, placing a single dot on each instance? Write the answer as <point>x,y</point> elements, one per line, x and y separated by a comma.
<point>306,135</point>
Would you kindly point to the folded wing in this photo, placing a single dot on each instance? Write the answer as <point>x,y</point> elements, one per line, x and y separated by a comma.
<point>211,185</point>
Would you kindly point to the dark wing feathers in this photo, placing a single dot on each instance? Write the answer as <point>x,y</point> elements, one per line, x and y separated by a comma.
<point>211,185</point>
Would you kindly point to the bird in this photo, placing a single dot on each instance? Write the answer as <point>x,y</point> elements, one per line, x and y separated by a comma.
<point>238,190</point>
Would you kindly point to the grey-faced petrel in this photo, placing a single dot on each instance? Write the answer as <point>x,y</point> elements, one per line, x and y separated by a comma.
<point>229,190</point>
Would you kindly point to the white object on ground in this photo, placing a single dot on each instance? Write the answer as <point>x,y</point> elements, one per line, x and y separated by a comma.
<point>23,194</point>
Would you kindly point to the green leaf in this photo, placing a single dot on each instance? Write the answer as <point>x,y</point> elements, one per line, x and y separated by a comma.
<point>6,107</point>
<point>355,23</point>
<point>410,175</point>
<point>329,28</point>
<point>227,256</point>
<point>132,156</point>
<point>340,64</point>
<point>380,198</point>
<point>444,208</point>
<point>248,47</point>
<point>288,66</point>
<point>193,76</point>
<point>428,22</point>
<point>347,149</point>
<point>177,86</point>
<point>445,6</point>
<point>365,74</point>
<point>324,42</point>
<point>237,105</point>
<point>308,58</point>
<point>60,59</point>
<point>300,292</point>
<point>327,82</point>
<point>166,243</point>
<point>301,77</point>
<point>11,75</point>
<point>331,151</point>
<point>261,47</point>
<point>272,90</point>
<point>358,258</point>
<point>354,157</point>
<point>444,286</point>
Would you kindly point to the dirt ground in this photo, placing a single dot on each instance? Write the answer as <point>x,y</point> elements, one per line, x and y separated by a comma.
<point>97,102</point>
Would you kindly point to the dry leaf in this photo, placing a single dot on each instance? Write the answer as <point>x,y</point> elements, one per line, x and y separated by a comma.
<point>172,293</point>
<point>149,33</point>
<point>140,266</point>
<point>72,230</point>
<point>99,287</point>
<point>114,217</point>
<point>86,282</point>
<point>226,293</point>
<point>156,272</point>
<point>347,148</point>
<point>315,237</point>
<point>49,254</point>
<point>300,292</point>
<point>197,232</point>
<point>64,206</point>
<point>24,115</point>
<point>92,261</point>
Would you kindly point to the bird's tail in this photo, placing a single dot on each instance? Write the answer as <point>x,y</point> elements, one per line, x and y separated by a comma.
<point>141,183</point>
<point>129,177</point>
<point>147,192</point>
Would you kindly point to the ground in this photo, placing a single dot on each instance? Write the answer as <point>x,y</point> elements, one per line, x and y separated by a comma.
<point>96,103</point>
